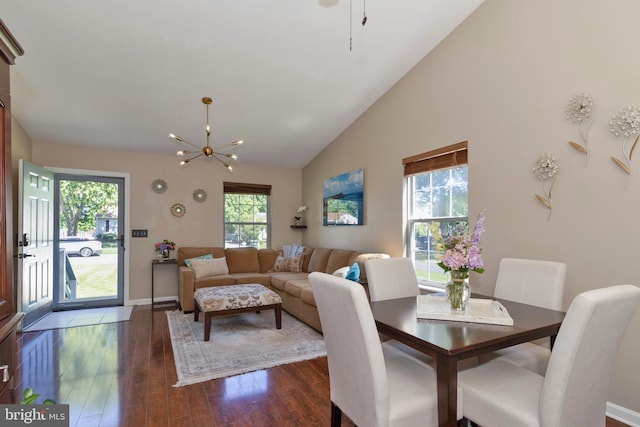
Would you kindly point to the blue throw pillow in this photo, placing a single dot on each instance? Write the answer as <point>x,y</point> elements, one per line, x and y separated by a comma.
<point>187,262</point>
<point>353,273</point>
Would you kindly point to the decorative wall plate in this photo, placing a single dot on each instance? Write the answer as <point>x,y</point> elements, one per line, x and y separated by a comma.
<point>199,195</point>
<point>159,185</point>
<point>178,210</point>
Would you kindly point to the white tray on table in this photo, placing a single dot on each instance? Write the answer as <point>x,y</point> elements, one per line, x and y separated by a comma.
<point>478,310</point>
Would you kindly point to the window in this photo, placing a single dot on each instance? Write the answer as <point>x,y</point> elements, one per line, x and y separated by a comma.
<point>246,215</point>
<point>436,185</point>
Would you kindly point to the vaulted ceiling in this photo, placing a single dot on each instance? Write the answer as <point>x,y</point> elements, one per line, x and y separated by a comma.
<point>287,76</point>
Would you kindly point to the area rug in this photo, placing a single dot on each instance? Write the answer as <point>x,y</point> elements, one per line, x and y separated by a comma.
<point>238,343</point>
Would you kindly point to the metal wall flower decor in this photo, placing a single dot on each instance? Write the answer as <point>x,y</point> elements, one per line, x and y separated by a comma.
<point>545,169</point>
<point>579,111</point>
<point>626,123</point>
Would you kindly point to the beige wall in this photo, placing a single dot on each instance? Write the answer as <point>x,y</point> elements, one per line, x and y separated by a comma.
<point>502,81</point>
<point>202,223</point>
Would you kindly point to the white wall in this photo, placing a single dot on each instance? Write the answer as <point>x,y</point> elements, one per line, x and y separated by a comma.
<point>202,225</point>
<point>502,81</point>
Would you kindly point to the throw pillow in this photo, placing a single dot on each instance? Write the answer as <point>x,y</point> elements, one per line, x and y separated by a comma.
<point>187,261</point>
<point>354,273</point>
<point>342,272</point>
<point>293,264</point>
<point>209,267</point>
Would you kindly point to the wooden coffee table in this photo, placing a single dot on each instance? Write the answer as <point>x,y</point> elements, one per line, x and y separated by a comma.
<point>221,300</point>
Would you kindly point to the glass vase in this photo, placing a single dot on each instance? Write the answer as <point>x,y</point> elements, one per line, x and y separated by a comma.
<point>458,291</point>
<point>164,253</point>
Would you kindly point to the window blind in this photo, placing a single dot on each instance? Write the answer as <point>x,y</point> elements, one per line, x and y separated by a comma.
<point>441,158</point>
<point>243,188</point>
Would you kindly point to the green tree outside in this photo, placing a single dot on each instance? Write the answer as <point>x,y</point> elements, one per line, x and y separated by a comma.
<point>245,218</point>
<point>81,201</point>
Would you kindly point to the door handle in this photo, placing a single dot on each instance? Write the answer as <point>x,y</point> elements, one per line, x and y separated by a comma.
<point>21,256</point>
<point>5,373</point>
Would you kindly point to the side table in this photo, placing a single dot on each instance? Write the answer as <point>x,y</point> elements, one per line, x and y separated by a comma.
<point>161,305</point>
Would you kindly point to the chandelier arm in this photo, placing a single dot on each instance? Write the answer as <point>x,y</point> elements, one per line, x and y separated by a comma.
<point>187,142</point>
<point>233,144</point>
<point>192,158</point>
<point>225,164</point>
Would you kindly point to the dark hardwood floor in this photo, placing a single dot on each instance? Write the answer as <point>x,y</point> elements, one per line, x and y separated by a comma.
<point>121,374</point>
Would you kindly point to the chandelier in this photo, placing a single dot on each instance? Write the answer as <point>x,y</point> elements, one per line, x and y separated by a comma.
<point>221,154</point>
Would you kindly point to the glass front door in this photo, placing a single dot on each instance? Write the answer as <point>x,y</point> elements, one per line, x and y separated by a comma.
<point>89,249</point>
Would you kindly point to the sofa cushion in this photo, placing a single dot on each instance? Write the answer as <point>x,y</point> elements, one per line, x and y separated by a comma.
<point>242,260</point>
<point>209,267</point>
<point>294,287</point>
<point>306,254</point>
<point>319,258</point>
<point>192,252</point>
<point>354,273</point>
<point>278,280</point>
<point>341,272</point>
<point>187,261</point>
<point>306,295</point>
<point>246,278</point>
<point>293,264</point>
<point>266,258</point>
<point>338,258</point>
<point>222,280</point>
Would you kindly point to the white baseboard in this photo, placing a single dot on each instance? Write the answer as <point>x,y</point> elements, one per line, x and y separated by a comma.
<point>622,414</point>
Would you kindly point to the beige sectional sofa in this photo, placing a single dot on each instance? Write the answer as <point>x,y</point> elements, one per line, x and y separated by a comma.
<point>250,265</point>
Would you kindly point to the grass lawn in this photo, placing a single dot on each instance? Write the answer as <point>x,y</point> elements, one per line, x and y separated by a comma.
<point>95,281</point>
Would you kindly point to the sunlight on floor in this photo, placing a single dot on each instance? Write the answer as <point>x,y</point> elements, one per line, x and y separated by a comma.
<point>73,318</point>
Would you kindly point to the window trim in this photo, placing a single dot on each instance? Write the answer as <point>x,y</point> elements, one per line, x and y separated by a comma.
<point>441,158</point>
<point>247,189</point>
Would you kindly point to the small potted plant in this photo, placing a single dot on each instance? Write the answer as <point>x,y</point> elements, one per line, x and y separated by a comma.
<point>164,247</point>
<point>298,219</point>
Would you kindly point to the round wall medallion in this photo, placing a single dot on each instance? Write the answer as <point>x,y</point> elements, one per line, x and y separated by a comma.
<point>178,210</point>
<point>199,195</point>
<point>159,185</point>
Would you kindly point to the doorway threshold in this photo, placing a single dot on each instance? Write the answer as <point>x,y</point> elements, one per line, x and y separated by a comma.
<point>86,317</point>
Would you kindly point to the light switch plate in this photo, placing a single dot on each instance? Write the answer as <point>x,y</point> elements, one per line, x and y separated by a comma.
<point>139,233</point>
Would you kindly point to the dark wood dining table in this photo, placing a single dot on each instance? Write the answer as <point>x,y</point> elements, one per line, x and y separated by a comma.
<point>451,341</point>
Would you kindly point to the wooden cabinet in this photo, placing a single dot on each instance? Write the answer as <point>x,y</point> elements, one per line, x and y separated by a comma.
<point>9,319</point>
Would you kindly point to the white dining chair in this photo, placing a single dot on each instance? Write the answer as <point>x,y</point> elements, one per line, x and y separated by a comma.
<point>390,278</point>
<point>574,390</point>
<point>374,384</point>
<point>533,282</point>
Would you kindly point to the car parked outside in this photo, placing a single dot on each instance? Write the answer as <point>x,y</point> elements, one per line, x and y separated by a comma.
<point>80,246</point>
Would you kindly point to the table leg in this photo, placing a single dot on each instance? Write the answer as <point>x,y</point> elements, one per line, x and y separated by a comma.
<point>447,378</point>
<point>207,325</point>
<point>278,310</point>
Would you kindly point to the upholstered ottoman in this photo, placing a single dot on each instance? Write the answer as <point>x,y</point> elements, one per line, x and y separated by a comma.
<point>220,300</point>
